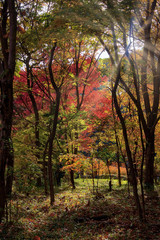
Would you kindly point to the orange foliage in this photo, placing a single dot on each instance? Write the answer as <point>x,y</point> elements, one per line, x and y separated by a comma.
<point>102,169</point>
<point>21,29</point>
<point>72,162</point>
<point>114,170</point>
<point>36,238</point>
<point>99,167</point>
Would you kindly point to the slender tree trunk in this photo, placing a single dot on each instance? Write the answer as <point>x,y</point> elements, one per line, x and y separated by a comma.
<point>10,167</point>
<point>134,180</point>
<point>51,138</point>
<point>128,151</point>
<point>141,172</point>
<point>124,160</point>
<point>54,126</point>
<point>116,135</point>
<point>72,178</point>
<point>30,84</point>
<point>110,177</point>
<point>149,163</point>
<point>50,172</point>
<point>119,170</point>
<point>75,151</point>
<point>45,169</point>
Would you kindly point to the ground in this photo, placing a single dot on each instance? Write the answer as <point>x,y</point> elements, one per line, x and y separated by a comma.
<point>80,214</point>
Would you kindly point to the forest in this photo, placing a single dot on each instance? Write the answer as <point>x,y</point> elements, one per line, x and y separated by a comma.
<point>79,119</point>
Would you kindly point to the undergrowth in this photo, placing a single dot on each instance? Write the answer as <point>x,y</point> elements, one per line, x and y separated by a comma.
<point>81,214</point>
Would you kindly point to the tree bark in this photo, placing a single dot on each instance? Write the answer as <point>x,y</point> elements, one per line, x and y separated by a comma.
<point>149,163</point>
<point>128,151</point>
<point>30,84</point>
<point>45,169</point>
<point>151,111</point>
<point>119,170</point>
<point>7,67</point>
<point>54,126</point>
<point>51,139</point>
<point>72,178</point>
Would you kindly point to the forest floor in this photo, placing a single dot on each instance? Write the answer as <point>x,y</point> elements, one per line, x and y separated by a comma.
<point>79,214</point>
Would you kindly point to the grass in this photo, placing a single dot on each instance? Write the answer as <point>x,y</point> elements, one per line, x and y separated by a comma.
<point>80,214</point>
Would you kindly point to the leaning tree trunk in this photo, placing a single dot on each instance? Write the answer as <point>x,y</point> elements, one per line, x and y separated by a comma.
<point>129,155</point>
<point>128,150</point>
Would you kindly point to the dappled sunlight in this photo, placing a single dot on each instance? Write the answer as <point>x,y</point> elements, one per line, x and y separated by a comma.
<point>79,214</point>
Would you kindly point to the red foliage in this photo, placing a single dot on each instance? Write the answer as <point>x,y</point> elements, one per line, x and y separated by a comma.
<point>41,89</point>
<point>82,84</point>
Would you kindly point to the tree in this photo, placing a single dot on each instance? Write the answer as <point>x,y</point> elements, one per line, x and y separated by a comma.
<point>146,95</point>
<point>142,95</point>
<point>151,104</point>
<point>8,28</point>
<point>84,79</point>
<point>117,22</point>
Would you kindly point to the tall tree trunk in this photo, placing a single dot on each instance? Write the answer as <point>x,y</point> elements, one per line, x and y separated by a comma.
<point>30,84</point>
<point>51,139</point>
<point>33,101</point>
<point>7,67</point>
<point>54,125</point>
<point>133,176</point>
<point>149,163</point>
<point>128,151</point>
<point>6,149</point>
<point>142,164</point>
<point>150,110</point>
